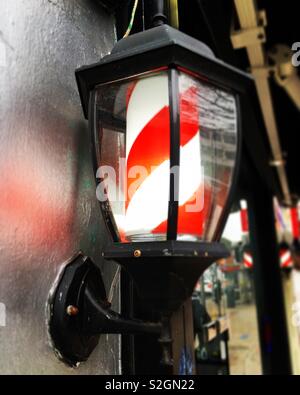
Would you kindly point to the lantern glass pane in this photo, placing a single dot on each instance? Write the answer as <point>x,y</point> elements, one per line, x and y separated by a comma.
<point>132,135</point>
<point>208,147</point>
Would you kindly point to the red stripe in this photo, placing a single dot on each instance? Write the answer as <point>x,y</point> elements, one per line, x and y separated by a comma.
<point>287,263</point>
<point>244,220</point>
<point>295,222</point>
<point>247,262</point>
<point>129,92</point>
<point>191,223</point>
<point>152,146</point>
<point>288,260</point>
<point>189,115</point>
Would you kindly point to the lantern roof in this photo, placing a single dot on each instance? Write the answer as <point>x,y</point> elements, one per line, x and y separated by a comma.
<point>160,37</point>
<point>159,47</point>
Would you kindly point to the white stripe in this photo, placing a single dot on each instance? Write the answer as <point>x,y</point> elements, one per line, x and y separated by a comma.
<point>149,96</point>
<point>285,256</point>
<point>243,204</point>
<point>248,258</point>
<point>149,205</point>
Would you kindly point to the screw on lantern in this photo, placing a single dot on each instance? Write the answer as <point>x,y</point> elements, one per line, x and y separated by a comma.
<point>72,310</point>
<point>137,253</point>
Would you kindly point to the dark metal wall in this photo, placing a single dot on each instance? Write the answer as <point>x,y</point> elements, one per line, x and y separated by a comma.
<point>48,207</point>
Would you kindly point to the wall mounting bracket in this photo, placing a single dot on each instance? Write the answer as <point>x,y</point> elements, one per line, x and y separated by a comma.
<point>80,312</point>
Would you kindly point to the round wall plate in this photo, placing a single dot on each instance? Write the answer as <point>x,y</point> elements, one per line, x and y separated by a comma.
<point>66,310</point>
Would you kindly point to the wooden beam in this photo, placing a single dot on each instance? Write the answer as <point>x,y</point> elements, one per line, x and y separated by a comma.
<point>250,18</point>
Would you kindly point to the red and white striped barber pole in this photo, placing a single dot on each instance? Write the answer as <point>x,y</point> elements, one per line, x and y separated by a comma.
<point>286,260</point>
<point>285,256</point>
<point>247,256</point>
<point>247,259</point>
<point>148,144</point>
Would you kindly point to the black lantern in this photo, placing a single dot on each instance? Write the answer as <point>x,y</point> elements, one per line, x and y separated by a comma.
<point>165,126</point>
<point>164,118</point>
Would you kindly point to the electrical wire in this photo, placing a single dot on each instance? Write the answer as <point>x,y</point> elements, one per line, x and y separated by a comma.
<point>131,19</point>
<point>143,14</point>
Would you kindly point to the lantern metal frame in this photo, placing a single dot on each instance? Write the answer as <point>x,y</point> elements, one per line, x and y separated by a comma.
<point>163,48</point>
